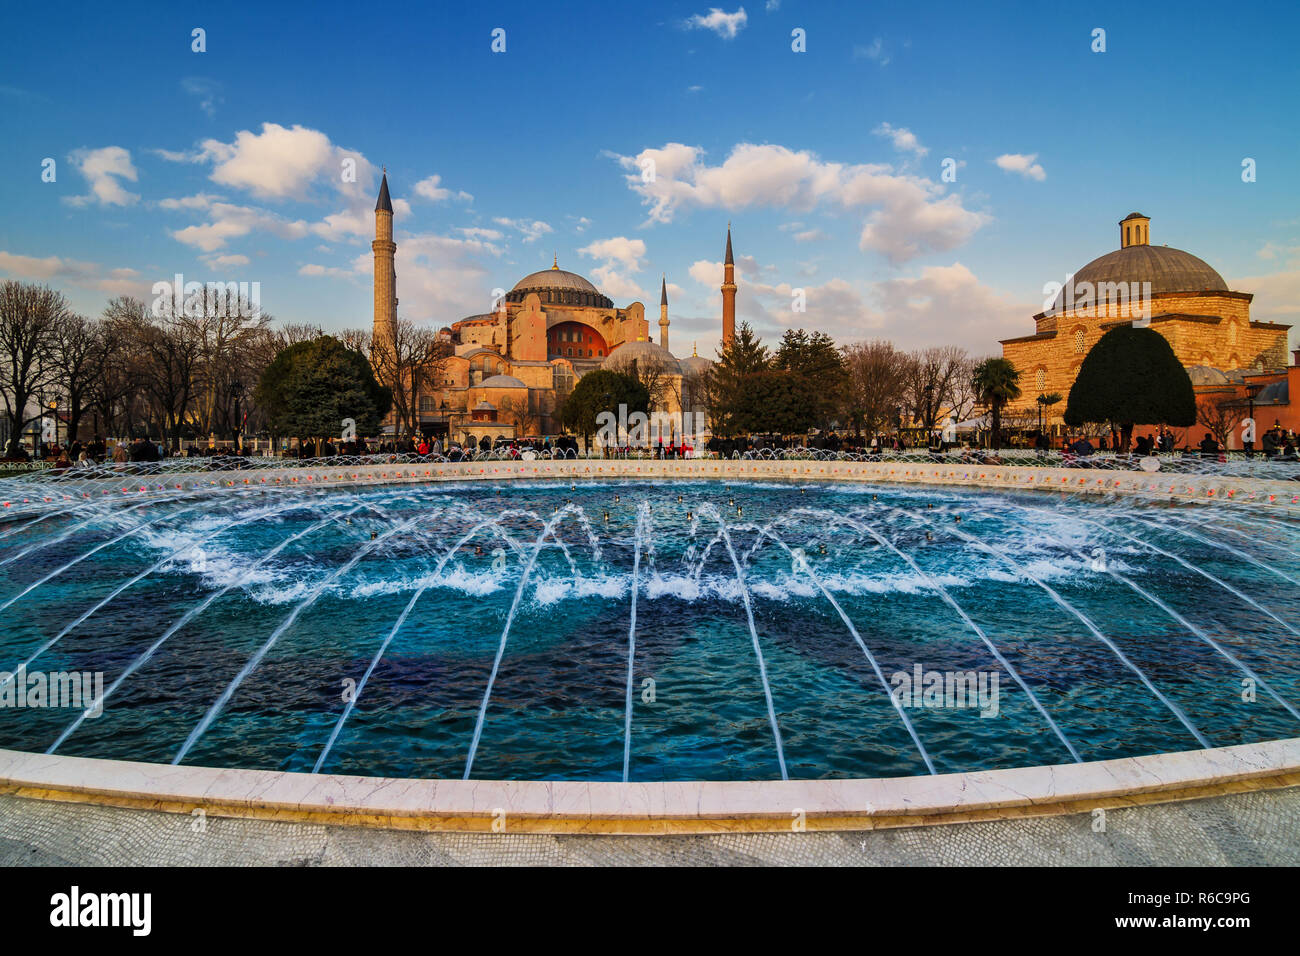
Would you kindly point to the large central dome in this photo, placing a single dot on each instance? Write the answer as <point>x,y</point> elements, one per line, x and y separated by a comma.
<point>556,286</point>
<point>554,279</point>
<point>1167,269</point>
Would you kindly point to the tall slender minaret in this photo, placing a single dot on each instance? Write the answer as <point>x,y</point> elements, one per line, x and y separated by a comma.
<point>385,250</point>
<point>728,295</point>
<point>663,313</point>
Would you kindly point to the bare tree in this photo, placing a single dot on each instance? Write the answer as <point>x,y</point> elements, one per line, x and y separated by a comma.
<point>936,379</point>
<point>877,376</point>
<point>1221,417</point>
<point>75,358</point>
<point>29,315</point>
<point>409,364</point>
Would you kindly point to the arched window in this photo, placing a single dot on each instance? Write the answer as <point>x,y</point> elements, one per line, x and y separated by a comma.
<point>1040,379</point>
<point>1079,342</point>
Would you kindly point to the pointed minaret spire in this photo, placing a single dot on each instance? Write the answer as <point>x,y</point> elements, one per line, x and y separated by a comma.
<point>663,312</point>
<point>728,295</point>
<point>384,204</point>
<point>555,262</point>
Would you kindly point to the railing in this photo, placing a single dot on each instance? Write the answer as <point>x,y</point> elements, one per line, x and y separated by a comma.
<point>1234,464</point>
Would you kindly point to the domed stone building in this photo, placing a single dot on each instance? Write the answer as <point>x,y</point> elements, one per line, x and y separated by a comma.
<point>1182,297</point>
<point>550,329</point>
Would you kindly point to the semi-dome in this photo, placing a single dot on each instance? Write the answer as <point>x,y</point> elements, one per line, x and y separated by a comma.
<point>501,381</point>
<point>647,355</point>
<point>1166,268</point>
<point>559,287</point>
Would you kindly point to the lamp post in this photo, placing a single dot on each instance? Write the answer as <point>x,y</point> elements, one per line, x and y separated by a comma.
<point>235,389</point>
<point>54,413</point>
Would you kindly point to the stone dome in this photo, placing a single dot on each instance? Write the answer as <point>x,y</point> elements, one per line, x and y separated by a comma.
<point>558,287</point>
<point>501,381</point>
<point>695,365</point>
<point>1167,269</point>
<point>1205,375</point>
<point>645,354</point>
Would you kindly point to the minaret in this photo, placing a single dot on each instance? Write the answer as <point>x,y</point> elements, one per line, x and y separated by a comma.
<point>728,295</point>
<point>663,313</point>
<point>385,250</point>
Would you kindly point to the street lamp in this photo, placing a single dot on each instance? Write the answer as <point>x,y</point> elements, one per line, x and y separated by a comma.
<point>235,389</point>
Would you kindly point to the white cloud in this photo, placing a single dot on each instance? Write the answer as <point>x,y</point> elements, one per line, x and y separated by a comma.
<point>431,188</point>
<point>909,214</point>
<point>875,50</point>
<point>531,230</point>
<point>1277,298</point>
<point>102,169</point>
<point>222,262</point>
<point>1022,164</point>
<point>725,25</point>
<point>87,275</point>
<point>810,235</point>
<point>904,139</point>
<point>626,252</point>
<point>620,256</point>
<point>197,201</point>
<point>230,222</point>
<point>478,232</point>
<point>280,163</point>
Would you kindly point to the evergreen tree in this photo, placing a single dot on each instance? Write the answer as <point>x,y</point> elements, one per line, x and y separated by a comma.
<point>1131,377</point>
<point>310,389</point>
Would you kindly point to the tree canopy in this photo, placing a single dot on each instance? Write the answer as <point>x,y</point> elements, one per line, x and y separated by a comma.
<point>1132,377</point>
<point>311,388</point>
<point>599,391</point>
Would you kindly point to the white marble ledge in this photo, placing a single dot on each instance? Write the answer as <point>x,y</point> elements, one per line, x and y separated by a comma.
<point>170,787</point>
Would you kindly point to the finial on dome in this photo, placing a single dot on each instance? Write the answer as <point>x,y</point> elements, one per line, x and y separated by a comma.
<point>555,262</point>
<point>695,353</point>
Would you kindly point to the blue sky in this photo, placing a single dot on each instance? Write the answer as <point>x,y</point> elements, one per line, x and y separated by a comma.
<point>227,164</point>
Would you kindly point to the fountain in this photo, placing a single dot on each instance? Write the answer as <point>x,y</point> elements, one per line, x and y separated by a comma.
<point>482,630</point>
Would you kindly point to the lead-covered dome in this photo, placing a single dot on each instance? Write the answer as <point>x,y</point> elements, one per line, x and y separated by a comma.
<point>1166,268</point>
<point>558,287</point>
<point>647,355</point>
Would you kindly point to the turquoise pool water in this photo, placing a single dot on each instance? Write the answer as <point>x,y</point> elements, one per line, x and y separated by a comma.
<point>244,629</point>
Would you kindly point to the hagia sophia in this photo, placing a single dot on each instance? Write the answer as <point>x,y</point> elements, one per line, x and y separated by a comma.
<point>508,367</point>
<point>1209,327</point>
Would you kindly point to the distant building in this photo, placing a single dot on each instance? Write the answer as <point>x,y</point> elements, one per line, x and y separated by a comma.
<point>1184,298</point>
<point>510,368</point>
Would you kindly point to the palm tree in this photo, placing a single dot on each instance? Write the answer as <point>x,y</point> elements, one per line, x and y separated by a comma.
<point>996,382</point>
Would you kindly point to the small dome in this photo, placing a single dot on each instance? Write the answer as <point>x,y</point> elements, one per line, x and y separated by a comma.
<point>501,381</point>
<point>1275,393</point>
<point>645,354</point>
<point>695,365</point>
<point>485,406</point>
<point>1202,375</point>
